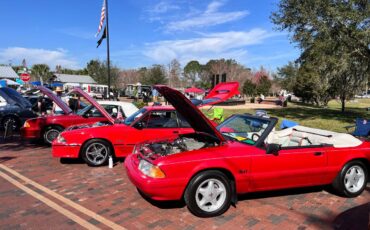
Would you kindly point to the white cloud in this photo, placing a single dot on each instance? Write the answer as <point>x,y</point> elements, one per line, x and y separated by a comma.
<point>163,7</point>
<point>38,56</point>
<point>210,17</point>
<point>230,44</point>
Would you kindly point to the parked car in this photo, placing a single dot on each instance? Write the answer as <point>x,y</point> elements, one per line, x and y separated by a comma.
<point>14,108</point>
<point>96,142</point>
<point>47,128</point>
<point>208,168</point>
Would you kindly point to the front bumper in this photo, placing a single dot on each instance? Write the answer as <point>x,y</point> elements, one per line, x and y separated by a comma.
<point>30,133</point>
<point>156,189</point>
<point>65,151</point>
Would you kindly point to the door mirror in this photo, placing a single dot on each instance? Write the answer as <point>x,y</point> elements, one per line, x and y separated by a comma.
<point>139,125</point>
<point>273,149</point>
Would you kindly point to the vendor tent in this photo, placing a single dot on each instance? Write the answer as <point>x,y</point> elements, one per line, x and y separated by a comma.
<point>9,82</point>
<point>194,90</point>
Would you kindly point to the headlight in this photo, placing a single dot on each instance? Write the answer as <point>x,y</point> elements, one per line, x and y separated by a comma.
<point>61,139</point>
<point>26,124</point>
<point>150,170</point>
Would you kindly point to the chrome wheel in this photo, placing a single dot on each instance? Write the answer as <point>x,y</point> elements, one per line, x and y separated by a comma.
<point>97,153</point>
<point>51,134</point>
<point>10,121</point>
<point>354,179</point>
<point>210,195</point>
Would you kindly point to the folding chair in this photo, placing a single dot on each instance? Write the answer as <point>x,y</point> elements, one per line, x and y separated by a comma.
<point>217,115</point>
<point>362,128</point>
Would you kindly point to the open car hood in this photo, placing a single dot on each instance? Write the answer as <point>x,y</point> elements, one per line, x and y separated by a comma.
<point>65,108</point>
<point>12,97</point>
<point>220,93</point>
<point>189,111</point>
<point>94,103</point>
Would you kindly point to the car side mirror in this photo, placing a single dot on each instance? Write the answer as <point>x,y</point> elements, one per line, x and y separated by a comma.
<point>139,125</point>
<point>273,149</point>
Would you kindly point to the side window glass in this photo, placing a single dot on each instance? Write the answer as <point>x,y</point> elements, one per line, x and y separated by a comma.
<point>183,122</point>
<point>112,110</point>
<point>94,112</point>
<point>162,119</point>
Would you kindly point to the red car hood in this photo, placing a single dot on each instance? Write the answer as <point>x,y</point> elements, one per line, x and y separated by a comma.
<point>189,111</point>
<point>94,103</point>
<point>218,94</point>
<point>224,91</point>
<point>56,99</point>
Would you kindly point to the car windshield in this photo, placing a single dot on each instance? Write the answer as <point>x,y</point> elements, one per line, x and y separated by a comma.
<point>243,128</point>
<point>84,110</point>
<point>134,116</point>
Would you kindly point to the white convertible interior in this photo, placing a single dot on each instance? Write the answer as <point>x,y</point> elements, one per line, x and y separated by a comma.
<point>305,136</point>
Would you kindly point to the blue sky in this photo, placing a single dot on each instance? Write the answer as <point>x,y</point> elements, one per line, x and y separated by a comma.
<point>143,32</point>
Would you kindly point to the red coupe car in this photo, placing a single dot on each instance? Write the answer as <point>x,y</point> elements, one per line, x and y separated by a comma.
<point>48,127</point>
<point>96,142</point>
<point>243,154</point>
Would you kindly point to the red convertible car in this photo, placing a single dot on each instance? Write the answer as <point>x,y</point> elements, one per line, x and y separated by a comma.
<point>243,154</point>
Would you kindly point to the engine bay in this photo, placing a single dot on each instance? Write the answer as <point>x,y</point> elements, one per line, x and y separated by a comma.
<point>183,143</point>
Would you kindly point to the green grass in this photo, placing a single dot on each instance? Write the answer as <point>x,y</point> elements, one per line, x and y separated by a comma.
<point>330,118</point>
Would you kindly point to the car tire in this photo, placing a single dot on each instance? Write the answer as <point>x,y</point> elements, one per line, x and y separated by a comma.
<point>51,133</point>
<point>208,194</point>
<point>351,180</point>
<point>96,152</point>
<point>8,119</point>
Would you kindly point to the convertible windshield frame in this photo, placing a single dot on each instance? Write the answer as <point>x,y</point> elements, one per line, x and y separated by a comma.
<point>271,122</point>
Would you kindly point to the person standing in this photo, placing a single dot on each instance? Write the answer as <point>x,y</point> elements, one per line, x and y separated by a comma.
<point>155,95</point>
<point>41,106</point>
<point>56,109</point>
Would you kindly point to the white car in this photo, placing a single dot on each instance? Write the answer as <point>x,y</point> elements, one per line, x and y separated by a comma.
<point>114,107</point>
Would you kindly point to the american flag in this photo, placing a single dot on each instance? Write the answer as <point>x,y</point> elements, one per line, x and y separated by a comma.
<point>102,17</point>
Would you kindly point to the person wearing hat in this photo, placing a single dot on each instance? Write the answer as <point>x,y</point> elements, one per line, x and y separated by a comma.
<point>56,109</point>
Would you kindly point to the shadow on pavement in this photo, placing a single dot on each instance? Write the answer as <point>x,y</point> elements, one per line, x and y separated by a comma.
<point>3,159</point>
<point>285,192</point>
<point>163,204</point>
<point>354,218</point>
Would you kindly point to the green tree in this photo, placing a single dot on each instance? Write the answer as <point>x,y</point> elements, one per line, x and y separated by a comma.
<point>41,72</point>
<point>334,36</point>
<point>249,88</point>
<point>263,85</point>
<point>287,75</point>
<point>98,70</point>
<point>192,71</point>
<point>153,76</point>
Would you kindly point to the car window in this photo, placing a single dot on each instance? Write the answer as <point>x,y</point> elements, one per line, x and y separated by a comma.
<point>162,119</point>
<point>94,112</point>
<point>135,116</point>
<point>112,110</point>
<point>182,121</point>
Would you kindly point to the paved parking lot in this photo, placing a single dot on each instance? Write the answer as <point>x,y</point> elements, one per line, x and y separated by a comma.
<point>38,192</point>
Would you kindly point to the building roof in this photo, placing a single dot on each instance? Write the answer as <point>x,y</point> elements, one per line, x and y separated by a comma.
<point>69,78</point>
<point>7,72</point>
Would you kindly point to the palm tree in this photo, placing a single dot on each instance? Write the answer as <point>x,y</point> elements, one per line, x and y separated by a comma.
<point>41,72</point>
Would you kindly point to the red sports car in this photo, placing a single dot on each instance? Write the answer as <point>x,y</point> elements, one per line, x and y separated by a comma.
<point>96,142</point>
<point>243,154</point>
<point>47,128</point>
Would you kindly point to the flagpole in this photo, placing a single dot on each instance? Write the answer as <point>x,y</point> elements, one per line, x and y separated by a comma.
<point>108,55</point>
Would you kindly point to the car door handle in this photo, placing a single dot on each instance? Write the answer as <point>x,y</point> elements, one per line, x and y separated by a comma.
<point>318,153</point>
<point>176,132</point>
